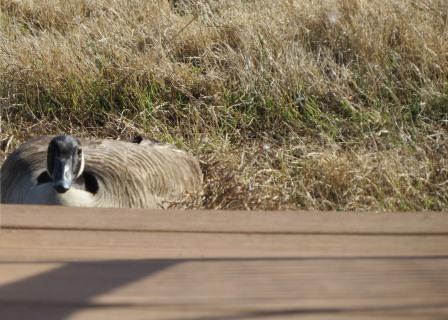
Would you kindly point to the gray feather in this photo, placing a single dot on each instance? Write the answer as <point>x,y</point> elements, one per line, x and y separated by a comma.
<point>144,175</point>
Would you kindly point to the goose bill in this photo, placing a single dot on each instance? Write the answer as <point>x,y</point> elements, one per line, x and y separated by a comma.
<point>63,175</point>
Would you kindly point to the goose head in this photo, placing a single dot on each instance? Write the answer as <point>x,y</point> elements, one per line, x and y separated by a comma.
<point>65,161</point>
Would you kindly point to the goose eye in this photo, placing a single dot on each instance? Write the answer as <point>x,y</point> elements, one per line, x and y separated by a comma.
<point>79,152</point>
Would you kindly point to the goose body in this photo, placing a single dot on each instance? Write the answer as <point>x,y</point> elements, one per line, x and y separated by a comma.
<point>109,174</point>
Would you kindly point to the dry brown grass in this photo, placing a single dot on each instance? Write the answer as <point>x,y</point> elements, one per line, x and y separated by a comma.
<point>288,104</point>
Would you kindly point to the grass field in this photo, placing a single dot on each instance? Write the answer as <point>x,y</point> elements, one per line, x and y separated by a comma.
<point>288,104</point>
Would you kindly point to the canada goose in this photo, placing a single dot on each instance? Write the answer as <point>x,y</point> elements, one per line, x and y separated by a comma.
<point>65,170</point>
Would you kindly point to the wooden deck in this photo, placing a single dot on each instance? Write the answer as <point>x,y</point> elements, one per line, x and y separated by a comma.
<point>61,263</point>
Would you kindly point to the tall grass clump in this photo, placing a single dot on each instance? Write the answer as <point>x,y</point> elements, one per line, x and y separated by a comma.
<point>336,104</point>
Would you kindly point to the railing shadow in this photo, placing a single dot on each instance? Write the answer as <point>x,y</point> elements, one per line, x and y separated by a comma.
<point>59,293</point>
<point>68,285</point>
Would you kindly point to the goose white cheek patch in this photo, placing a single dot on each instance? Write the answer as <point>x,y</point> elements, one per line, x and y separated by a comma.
<point>81,168</point>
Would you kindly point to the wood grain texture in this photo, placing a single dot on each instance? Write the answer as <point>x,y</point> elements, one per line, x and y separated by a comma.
<point>261,286</point>
<point>73,245</point>
<point>53,217</point>
<point>61,263</point>
<point>248,284</point>
<point>49,312</point>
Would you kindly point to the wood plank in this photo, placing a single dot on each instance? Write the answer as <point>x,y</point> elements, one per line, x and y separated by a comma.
<point>245,285</point>
<point>34,217</point>
<point>71,245</point>
<point>143,313</point>
<point>50,312</point>
<point>147,264</point>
